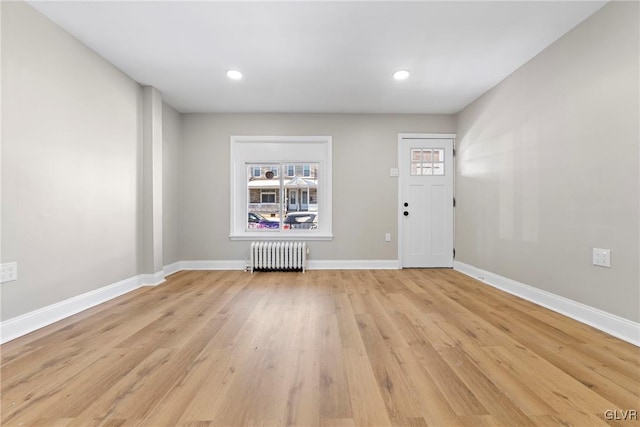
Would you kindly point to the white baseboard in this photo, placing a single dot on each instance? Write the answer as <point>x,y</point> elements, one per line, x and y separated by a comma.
<point>619,327</point>
<point>390,264</point>
<point>213,265</point>
<point>152,279</point>
<point>381,264</point>
<point>172,268</point>
<point>311,265</point>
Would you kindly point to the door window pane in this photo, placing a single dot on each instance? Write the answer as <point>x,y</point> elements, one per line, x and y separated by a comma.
<point>427,161</point>
<point>416,155</point>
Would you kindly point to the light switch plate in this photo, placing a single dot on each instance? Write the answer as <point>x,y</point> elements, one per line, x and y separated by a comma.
<point>602,257</point>
<point>8,272</point>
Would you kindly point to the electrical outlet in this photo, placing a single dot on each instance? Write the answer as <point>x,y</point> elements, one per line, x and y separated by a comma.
<point>387,237</point>
<point>8,272</point>
<point>602,257</point>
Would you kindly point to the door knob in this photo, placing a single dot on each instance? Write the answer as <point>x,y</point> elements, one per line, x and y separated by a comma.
<point>406,213</point>
<point>406,204</point>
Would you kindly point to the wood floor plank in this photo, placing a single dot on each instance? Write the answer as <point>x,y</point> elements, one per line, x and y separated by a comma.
<point>366,398</point>
<point>460,397</point>
<point>30,382</point>
<point>170,408</point>
<point>328,348</point>
<point>337,422</point>
<point>397,394</point>
<point>519,390</point>
<point>422,322</point>
<point>69,396</point>
<point>569,398</point>
<point>392,336</point>
<point>433,405</point>
<point>495,400</point>
<point>334,397</point>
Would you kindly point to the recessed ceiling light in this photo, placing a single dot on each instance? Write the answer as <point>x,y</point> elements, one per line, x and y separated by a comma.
<point>401,75</point>
<point>234,74</point>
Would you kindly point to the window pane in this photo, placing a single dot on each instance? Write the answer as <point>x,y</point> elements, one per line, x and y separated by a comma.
<point>301,197</point>
<point>263,199</point>
<point>416,155</point>
<point>426,169</point>
<point>438,168</point>
<point>299,205</point>
<point>426,156</point>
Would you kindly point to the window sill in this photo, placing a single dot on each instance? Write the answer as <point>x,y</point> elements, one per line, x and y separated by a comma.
<point>280,237</point>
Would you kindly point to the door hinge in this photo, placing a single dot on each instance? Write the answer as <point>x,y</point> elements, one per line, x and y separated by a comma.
<point>454,252</point>
<point>454,202</point>
<point>454,152</point>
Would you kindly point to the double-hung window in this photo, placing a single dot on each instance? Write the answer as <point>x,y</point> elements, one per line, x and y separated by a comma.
<point>281,188</point>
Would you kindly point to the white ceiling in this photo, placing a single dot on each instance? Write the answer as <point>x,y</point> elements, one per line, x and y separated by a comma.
<point>318,56</point>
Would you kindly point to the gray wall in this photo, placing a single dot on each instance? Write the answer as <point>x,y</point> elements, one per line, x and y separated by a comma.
<point>364,196</point>
<point>70,165</point>
<point>171,180</point>
<point>548,167</point>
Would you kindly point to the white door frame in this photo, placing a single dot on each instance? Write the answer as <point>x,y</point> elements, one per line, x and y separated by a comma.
<point>405,136</point>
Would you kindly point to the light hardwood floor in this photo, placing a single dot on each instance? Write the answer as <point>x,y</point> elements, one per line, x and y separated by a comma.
<point>325,348</point>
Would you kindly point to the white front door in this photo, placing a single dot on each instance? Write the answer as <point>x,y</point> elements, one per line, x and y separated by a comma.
<point>293,200</point>
<point>426,198</point>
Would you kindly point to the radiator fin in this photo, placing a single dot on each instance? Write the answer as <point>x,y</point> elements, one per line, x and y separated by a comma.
<point>278,256</point>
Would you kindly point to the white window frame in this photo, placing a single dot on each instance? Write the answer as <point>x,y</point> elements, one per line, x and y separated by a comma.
<point>286,150</point>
